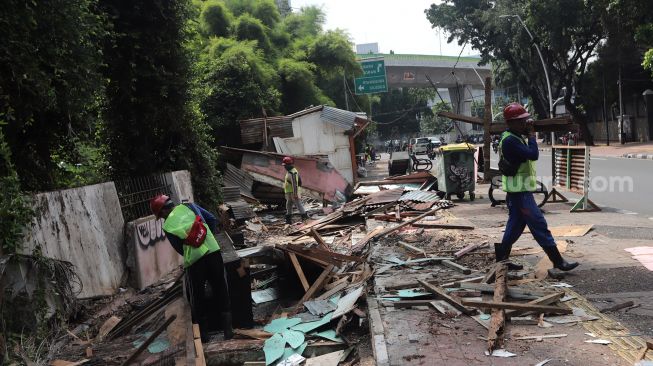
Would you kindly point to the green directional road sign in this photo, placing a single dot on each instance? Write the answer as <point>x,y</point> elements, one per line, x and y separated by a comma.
<point>373,80</point>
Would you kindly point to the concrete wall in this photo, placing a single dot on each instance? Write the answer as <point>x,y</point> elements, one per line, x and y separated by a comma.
<point>150,254</point>
<point>182,188</point>
<point>312,136</point>
<point>83,226</point>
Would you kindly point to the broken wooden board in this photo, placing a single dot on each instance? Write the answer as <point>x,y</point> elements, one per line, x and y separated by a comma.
<point>498,317</point>
<point>444,308</point>
<point>516,306</point>
<point>316,286</point>
<point>544,300</point>
<point>513,292</point>
<point>299,270</point>
<point>467,249</point>
<point>456,266</point>
<point>442,294</point>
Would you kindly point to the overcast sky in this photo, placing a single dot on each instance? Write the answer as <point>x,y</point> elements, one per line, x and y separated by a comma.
<point>400,26</point>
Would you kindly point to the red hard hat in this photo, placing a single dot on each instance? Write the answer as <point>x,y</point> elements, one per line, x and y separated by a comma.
<point>157,203</point>
<point>514,111</point>
<point>287,160</point>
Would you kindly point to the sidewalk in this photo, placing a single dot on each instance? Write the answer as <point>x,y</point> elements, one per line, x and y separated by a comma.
<point>633,150</point>
<point>608,276</point>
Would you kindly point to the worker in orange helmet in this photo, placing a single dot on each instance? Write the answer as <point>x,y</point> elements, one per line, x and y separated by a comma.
<point>292,189</point>
<point>189,229</point>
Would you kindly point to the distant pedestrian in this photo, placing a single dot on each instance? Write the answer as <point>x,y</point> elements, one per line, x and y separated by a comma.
<point>517,164</point>
<point>292,189</point>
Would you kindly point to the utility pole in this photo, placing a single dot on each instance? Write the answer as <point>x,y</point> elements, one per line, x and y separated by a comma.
<point>487,118</point>
<point>344,88</point>
<point>605,115</point>
<point>621,112</point>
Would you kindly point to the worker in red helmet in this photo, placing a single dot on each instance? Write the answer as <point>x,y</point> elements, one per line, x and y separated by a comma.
<point>517,158</point>
<point>189,229</point>
<point>292,189</point>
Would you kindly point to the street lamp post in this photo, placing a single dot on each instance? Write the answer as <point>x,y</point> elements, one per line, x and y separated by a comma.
<point>546,72</point>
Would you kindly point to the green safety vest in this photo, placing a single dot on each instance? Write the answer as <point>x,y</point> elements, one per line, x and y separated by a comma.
<point>179,223</point>
<point>287,183</point>
<point>524,180</point>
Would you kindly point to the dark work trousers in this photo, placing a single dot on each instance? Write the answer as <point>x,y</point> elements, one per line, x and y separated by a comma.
<point>522,211</point>
<point>209,268</point>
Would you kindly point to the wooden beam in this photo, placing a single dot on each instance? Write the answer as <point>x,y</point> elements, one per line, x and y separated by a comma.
<point>544,300</point>
<point>412,248</point>
<point>456,266</point>
<point>442,295</point>
<point>316,286</point>
<point>461,117</point>
<point>411,221</point>
<point>513,292</point>
<point>516,306</point>
<point>498,318</point>
<point>467,249</point>
<point>299,270</point>
<point>319,239</point>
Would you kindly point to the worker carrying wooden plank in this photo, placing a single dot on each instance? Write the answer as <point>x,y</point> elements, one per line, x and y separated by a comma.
<point>517,158</point>
<point>292,189</point>
<point>189,229</point>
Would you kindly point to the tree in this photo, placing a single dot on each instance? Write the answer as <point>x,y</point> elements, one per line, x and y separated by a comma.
<point>568,33</point>
<point>215,19</point>
<point>433,124</point>
<point>50,84</point>
<point>149,121</point>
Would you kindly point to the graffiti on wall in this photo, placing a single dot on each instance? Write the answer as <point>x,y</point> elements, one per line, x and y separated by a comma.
<point>150,233</point>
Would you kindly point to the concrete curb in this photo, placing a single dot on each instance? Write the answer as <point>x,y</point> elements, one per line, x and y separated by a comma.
<point>638,156</point>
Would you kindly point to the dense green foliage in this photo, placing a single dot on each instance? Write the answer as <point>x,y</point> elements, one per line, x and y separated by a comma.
<point>252,60</point>
<point>401,113</point>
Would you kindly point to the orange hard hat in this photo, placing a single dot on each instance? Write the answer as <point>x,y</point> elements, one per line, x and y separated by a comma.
<point>287,160</point>
<point>515,111</point>
<point>157,203</point>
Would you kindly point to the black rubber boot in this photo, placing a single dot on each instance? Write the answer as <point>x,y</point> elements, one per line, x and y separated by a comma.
<point>304,216</point>
<point>227,326</point>
<point>556,258</point>
<point>502,254</point>
<point>289,219</point>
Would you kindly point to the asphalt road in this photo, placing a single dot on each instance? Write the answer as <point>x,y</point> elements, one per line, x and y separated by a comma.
<point>619,183</point>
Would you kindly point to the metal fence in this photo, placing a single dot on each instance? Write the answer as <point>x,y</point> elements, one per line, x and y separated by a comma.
<point>135,194</point>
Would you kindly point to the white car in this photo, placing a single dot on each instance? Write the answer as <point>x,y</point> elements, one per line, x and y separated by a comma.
<point>419,145</point>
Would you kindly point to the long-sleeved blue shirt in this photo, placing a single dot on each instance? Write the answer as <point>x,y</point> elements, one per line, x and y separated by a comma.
<point>209,219</point>
<point>515,151</point>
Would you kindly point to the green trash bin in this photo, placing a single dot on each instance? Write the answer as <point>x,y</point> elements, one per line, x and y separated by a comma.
<point>454,168</point>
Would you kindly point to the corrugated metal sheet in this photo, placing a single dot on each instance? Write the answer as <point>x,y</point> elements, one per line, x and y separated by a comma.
<point>420,196</point>
<point>231,194</point>
<point>387,196</point>
<point>338,117</point>
<point>236,177</point>
<point>251,130</point>
<point>241,210</point>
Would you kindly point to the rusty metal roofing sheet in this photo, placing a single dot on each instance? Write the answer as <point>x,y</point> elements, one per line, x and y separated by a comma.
<point>420,196</point>
<point>387,196</point>
<point>420,206</point>
<point>338,117</point>
<point>251,130</point>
